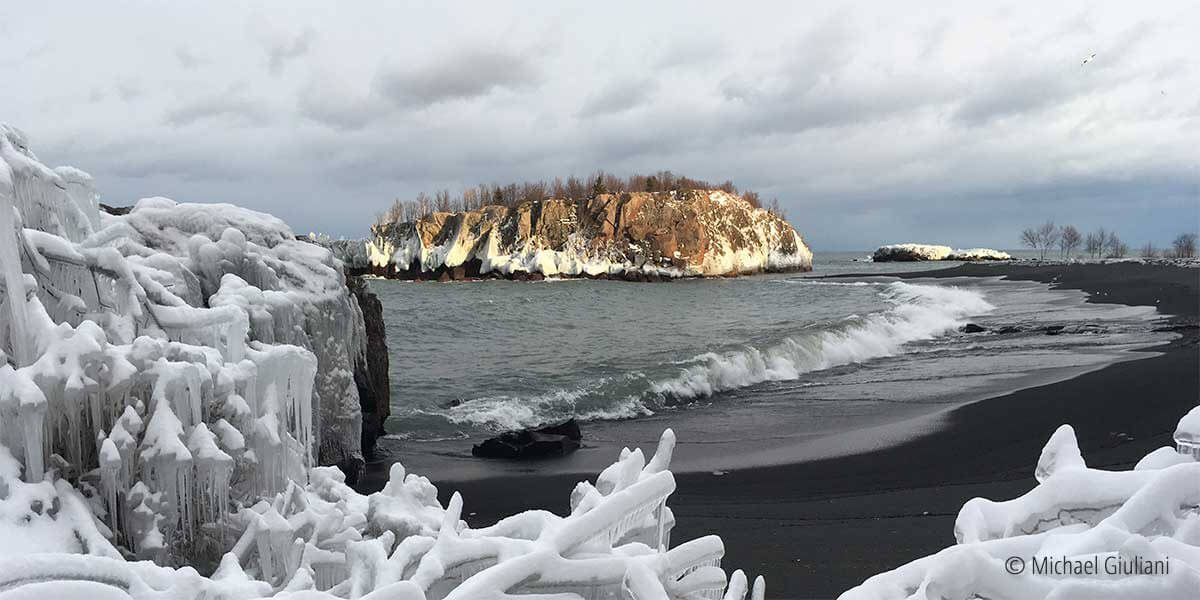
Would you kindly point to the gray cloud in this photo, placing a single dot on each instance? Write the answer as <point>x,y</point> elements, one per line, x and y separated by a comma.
<point>464,74</point>
<point>231,107</point>
<point>186,58</point>
<point>618,97</point>
<point>689,52</point>
<point>282,51</point>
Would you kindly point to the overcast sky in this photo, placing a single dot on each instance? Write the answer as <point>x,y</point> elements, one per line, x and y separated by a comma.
<point>870,122</point>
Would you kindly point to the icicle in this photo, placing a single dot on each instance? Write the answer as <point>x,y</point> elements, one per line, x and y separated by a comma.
<point>168,463</point>
<point>111,468</point>
<point>213,471</point>
<point>32,412</point>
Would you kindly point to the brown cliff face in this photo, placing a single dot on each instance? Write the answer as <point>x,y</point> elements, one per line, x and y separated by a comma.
<point>665,234</point>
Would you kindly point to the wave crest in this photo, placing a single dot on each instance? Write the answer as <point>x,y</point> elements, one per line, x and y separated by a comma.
<point>918,312</point>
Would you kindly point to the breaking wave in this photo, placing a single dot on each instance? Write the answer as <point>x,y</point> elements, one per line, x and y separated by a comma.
<point>916,312</point>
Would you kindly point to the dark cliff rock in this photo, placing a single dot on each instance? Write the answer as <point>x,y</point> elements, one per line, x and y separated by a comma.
<point>371,370</point>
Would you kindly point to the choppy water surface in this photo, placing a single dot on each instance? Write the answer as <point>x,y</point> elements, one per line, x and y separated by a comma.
<point>469,359</point>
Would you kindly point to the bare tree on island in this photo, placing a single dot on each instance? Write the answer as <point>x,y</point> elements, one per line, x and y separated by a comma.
<point>1042,239</point>
<point>1069,240</point>
<point>1149,251</point>
<point>1184,245</point>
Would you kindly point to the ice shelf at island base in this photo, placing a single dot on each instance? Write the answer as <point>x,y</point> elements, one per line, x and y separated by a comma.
<point>1082,533</point>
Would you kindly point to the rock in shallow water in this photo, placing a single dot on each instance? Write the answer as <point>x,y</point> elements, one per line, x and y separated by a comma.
<point>545,442</point>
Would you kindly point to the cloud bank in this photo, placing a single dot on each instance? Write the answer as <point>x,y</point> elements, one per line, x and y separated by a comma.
<point>870,122</point>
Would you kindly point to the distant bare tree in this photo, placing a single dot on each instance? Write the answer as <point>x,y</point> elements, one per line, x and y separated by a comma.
<point>1115,248</point>
<point>1048,237</point>
<point>1030,239</point>
<point>1184,245</point>
<point>776,210</point>
<point>1042,238</point>
<point>752,197</point>
<point>575,189</point>
<point>1069,240</point>
<point>1148,251</point>
<point>1099,242</point>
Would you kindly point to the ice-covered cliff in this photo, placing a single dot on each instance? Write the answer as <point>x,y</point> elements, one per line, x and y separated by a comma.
<point>920,252</point>
<point>184,353</point>
<point>637,236</point>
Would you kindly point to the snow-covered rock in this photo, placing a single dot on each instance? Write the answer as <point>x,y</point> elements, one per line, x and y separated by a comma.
<point>635,235</point>
<point>922,252</point>
<point>1138,531</point>
<point>979,254</point>
<point>174,359</point>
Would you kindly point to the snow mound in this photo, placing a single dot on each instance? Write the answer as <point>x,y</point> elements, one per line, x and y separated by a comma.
<point>922,252</point>
<point>1137,531</point>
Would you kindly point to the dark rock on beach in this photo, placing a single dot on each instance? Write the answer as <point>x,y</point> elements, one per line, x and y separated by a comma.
<point>544,442</point>
<point>973,328</point>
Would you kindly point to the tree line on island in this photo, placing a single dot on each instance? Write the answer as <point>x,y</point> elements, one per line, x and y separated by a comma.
<point>1099,244</point>
<point>572,189</point>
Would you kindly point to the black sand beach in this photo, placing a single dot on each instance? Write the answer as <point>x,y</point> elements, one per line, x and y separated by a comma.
<point>817,528</point>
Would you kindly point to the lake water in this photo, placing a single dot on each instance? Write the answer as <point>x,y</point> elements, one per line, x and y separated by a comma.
<point>724,358</point>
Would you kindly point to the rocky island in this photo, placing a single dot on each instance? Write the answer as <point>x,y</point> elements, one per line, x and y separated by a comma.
<point>635,236</point>
<point>922,252</point>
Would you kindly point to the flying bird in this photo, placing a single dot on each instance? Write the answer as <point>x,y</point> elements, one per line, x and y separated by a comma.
<point>1088,59</point>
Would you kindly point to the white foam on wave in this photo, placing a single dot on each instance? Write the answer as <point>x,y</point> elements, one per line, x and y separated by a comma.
<point>503,413</point>
<point>918,312</point>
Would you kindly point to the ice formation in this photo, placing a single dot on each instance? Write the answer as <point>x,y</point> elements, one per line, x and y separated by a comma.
<point>1140,529</point>
<point>920,252</point>
<point>635,236</point>
<point>171,377</point>
<point>173,360</point>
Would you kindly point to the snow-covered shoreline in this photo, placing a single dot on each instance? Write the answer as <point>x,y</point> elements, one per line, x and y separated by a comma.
<point>1076,515</point>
